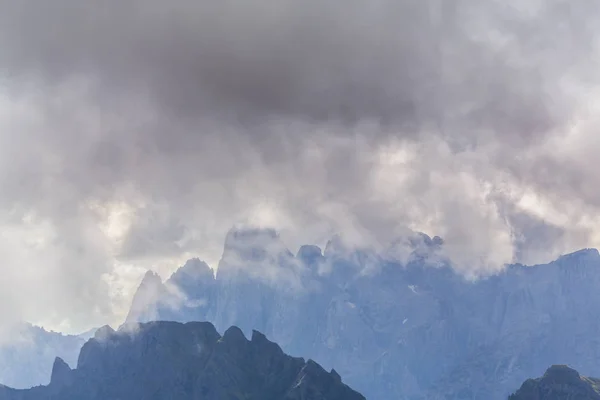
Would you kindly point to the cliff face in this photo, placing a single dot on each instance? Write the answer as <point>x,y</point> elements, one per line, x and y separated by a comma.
<point>169,360</point>
<point>559,383</point>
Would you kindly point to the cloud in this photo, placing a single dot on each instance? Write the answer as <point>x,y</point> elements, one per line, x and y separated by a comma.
<point>135,134</point>
<point>403,62</point>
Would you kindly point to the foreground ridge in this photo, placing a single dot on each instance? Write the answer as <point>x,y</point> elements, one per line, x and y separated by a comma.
<point>170,360</point>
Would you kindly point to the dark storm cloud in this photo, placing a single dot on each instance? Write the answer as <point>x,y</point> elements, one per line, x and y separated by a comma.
<point>480,67</point>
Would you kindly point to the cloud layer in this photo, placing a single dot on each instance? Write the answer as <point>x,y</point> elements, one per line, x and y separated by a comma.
<point>136,133</point>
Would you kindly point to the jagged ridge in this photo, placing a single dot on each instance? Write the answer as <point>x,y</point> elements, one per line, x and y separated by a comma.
<point>170,360</point>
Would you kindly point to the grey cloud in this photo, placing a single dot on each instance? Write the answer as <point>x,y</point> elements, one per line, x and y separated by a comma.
<point>200,114</point>
<point>155,231</point>
<point>408,63</point>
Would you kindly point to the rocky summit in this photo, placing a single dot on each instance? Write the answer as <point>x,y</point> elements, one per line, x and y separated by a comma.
<point>169,360</point>
<point>559,383</point>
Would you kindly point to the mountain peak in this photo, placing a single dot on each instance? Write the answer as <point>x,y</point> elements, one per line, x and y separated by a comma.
<point>309,252</point>
<point>195,266</point>
<point>151,278</point>
<point>148,293</point>
<point>561,373</point>
<point>103,332</point>
<point>311,256</point>
<point>265,345</point>
<point>559,382</point>
<point>335,375</point>
<point>234,334</point>
<point>194,269</point>
<point>60,372</point>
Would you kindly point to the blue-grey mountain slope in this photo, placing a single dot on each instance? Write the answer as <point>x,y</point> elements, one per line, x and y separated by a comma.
<point>26,358</point>
<point>408,329</point>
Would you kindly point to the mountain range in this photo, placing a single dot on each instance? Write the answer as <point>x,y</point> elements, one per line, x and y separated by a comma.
<point>409,329</point>
<point>399,323</point>
<point>169,360</point>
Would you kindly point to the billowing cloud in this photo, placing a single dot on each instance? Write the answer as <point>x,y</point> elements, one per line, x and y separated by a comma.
<point>134,134</point>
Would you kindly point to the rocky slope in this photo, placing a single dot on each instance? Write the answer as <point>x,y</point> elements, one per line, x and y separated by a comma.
<point>559,383</point>
<point>395,327</point>
<point>168,360</point>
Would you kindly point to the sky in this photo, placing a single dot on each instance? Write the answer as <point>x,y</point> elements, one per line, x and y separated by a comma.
<point>134,134</point>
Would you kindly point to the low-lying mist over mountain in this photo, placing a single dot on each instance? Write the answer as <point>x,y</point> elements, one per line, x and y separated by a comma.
<point>167,360</point>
